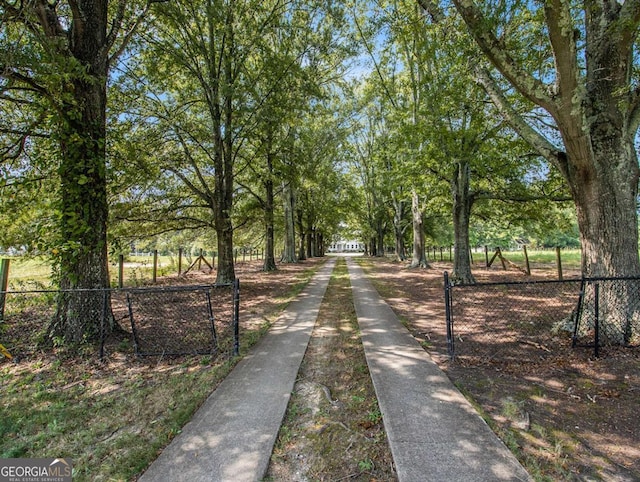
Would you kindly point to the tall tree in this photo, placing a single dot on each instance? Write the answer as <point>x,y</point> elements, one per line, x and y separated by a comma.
<point>398,77</point>
<point>370,143</point>
<point>55,64</point>
<point>576,62</point>
<point>208,52</point>
<point>321,185</point>
<point>585,79</point>
<point>303,56</point>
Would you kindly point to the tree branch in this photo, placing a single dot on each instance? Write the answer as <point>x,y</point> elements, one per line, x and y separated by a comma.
<point>366,44</point>
<point>522,198</point>
<point>202,195</point>
<point>530,87</point>
<point>206,193</point>
<point>12,74</point>
<point>634,113</point>
<point>117,26</point>
<point>563,43</point>
<point>629,20</point>
<point>433,9</point>
<point>533,137</point>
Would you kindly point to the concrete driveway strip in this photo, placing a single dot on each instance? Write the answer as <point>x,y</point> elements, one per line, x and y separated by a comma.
<point>231,437</point>
<point>433,431</point>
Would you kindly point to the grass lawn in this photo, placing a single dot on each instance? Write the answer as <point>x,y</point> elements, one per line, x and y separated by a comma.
<point>110,419</point>
<point>35,273</point>
<point>28,273</point>
<point>570,257</point>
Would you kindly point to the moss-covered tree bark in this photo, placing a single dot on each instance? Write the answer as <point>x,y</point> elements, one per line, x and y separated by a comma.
<point>55,62</point>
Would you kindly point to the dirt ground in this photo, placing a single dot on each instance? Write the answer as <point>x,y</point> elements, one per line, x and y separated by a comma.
<point>568,417</point>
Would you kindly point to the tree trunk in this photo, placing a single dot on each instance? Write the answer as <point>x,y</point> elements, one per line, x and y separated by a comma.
<point>601,169</point>
<point>223,118</point>
<point>462,203</point>
<point>319,244</point>
<point>289,255</point>
<point>222,213</point>
<point>401,254</point>
<point>222,221</point>
<point>399,228</point>
<point>269,255</point>
<point>313,242</point>
<point>226,268</point>
<point>605,200</point>
<point>609,234</point>
<point>83,198</point>
<point>419,259</point>
<point>380,240</point>
<point>302,236</point>
<point>309,238</point>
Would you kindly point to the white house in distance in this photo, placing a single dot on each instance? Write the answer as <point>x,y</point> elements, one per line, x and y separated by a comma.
<point>346,246</point>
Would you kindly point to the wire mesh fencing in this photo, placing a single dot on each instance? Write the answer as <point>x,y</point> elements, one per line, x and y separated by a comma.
<point>520,322</point>
<point>178,320</point>
<point>608,313</point>
<point>25,316</point>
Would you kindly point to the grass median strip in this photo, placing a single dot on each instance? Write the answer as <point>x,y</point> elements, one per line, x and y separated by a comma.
<point>333,428</point>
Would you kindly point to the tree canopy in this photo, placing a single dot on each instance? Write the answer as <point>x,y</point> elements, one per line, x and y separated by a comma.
<point>284,123</point>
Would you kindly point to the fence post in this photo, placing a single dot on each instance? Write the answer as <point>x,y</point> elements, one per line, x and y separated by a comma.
<point>4,285</point>
<point>236,317</point>
<point>559,262</point>
<point>121,271</point>
<point>447,311</point>
<point>179,261</point>
<point>596,308</point>
<point>155,265</point>
<point>103,321</point>
<point>486,255</point>
<point>526,260</point>
<point>499,253</point>
<point>576,326</point>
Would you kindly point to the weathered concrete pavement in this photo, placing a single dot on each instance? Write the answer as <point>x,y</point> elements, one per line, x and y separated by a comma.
<point>433,431</point>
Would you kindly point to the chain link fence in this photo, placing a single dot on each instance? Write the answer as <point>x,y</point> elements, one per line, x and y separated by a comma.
<point>172,320</point>
<point>520,322</point>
